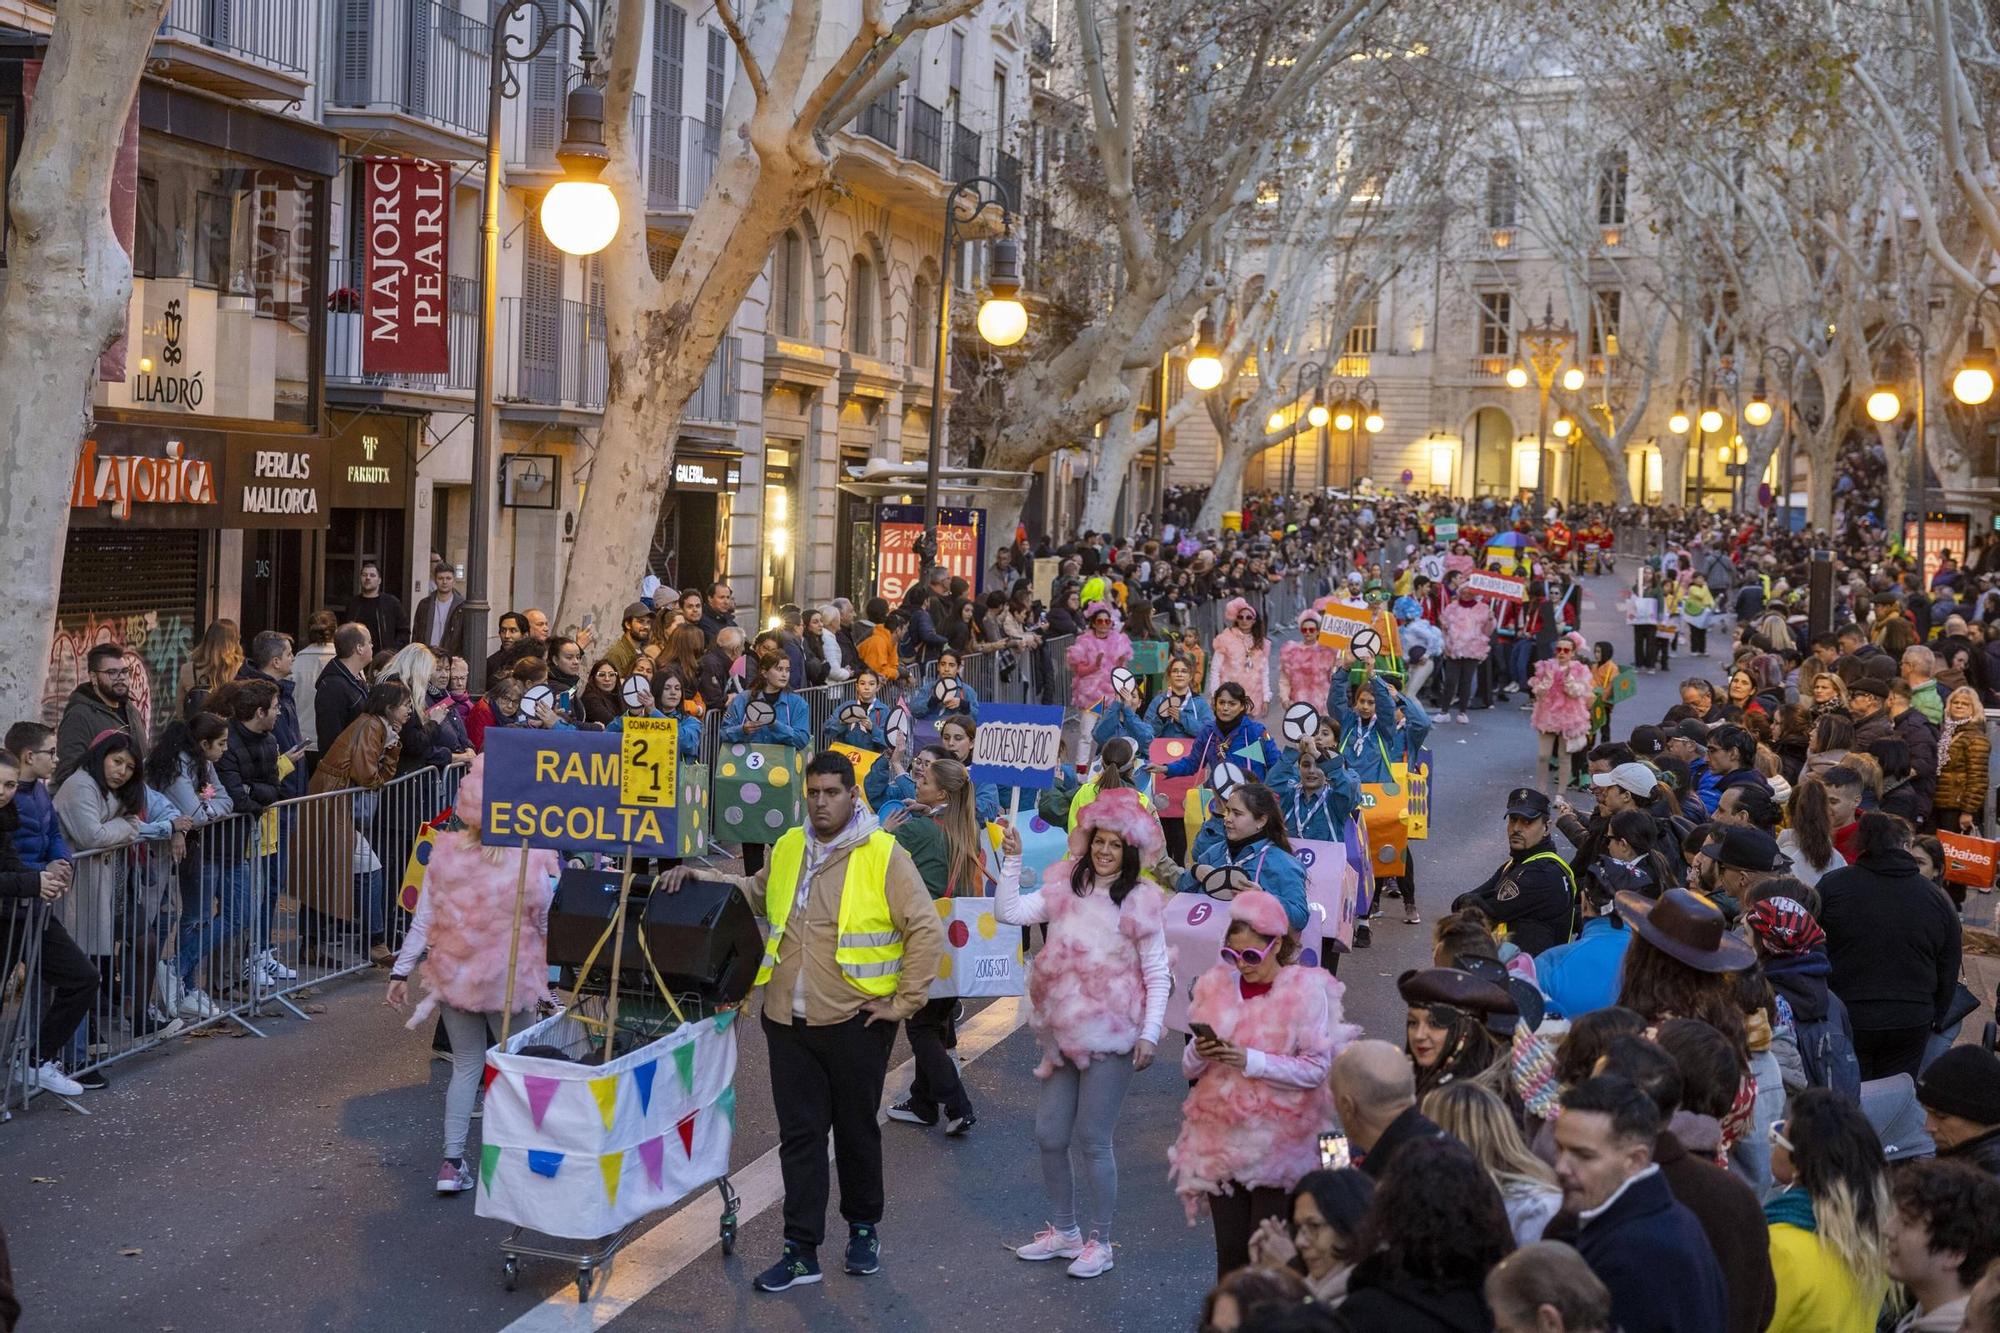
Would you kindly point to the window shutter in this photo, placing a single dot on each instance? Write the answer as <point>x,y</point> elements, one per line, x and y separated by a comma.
<point>417,60</point>
<point>669,95</point>
<point>541,312</point>
<point>548,80</point>
<point>352,47</point>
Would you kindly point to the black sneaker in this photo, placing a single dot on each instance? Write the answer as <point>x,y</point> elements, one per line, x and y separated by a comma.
<point>909,1115</point>
<point>797,1267</point>
<point>92,1080</point>
<point>956,1125</point>
<point>864,1250</point>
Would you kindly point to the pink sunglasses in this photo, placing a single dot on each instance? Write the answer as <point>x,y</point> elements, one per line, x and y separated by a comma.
<point>1245,957</point>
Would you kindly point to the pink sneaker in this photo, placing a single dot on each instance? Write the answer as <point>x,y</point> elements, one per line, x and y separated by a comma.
<point>1095,1259</point>
<point>453,1178</point>
<point>1052,1244</point>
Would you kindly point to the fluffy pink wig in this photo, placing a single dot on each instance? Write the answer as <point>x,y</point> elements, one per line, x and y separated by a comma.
<point>1119,810</point>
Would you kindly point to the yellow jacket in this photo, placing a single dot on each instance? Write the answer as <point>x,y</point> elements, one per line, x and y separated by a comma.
<point>1817,1293</point>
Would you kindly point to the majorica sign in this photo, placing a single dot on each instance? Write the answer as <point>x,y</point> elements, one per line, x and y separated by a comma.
<point>120,481</point>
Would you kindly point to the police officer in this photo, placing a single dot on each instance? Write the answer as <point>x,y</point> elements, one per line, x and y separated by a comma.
<point>1534,894</point>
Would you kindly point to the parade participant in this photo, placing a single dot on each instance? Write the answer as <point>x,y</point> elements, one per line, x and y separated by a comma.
<point>1243,656</point>
<point>1468,639</point>
<point>1423,644</point>
<point>1562,689</point>
<point>1316,790</point>
<point>1828,1252</point>
<point>1235,737</point>
<point>956,734</point>
<point>948,693</point>
<point>1251,1123</point>
<point>1252,839</point>
<point>871,735</point>
<point>832,999</point>
<point>890,783</point>
<point>1097,993</point>
<point>1533,894</point>
<point>463,933</point>
<point>1117,767</point>
<point>1100,650</point>
<point>1373,738</point>
<point>1445,1032</point>
<point>1178,711</point>
<point>1120,715</point>
<point>769,683</point>
<point>938,829</point>
<point>670,704</point>
<point>1305,669</point>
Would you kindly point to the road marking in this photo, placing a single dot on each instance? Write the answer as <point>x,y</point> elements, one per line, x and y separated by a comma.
<point>678,1241</point>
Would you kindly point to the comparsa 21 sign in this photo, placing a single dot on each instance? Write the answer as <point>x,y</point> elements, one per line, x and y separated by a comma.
<point>578,791</point>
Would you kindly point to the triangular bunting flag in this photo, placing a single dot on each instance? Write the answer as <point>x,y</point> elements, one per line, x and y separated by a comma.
<point>486,1081</point>
<point>652,1152</point>
<point>726,1103</point>
<point>686,1127</point>
<point>605,1091</point>
<point>489,1157</point>
<point>642,1079</point>
<point>1252,751</point>
<point>684,1065</point>
<point>544,1163</point>
<point>541,1090</point>
<point>611,1166</point>
<point>724,1019</point>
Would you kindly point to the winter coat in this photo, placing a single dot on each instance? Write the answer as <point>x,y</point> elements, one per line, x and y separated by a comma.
<point>364,755</point>
<point>1305,673</point>
<point>84,716</point>
<point>712,677</point>
<point>1237,658</point>
<point>1092,659</point>
<point>1194,715</point>
<point>1562,693</point>
<point>1216,747</point>
<point>92,821</point>
<point>18,882</point>
<point>1086,987</point>
<point>249,769</point>
<point>1582,976</point>
<point>1468,630</point>
<point>1371,749</point>
<point>1961,776</point>
<point>1733,1221</point>
<point>1115,717</point>
<point>1258,1126</point>
<point>876,647</point>
<point>1893,939</point>
<point>1379,1305</point>
<point>1982,1152</point>
<point>1651,1252</point>
<point>38,836</point>
<point>1817,1293</point>
<point>792,726</point>
<point>1821,1030</point>
<point>1913,730</point>
<point>924,703</point>
<point>288,732</point>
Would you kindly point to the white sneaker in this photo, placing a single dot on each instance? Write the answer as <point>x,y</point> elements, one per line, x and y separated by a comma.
<point>1051,1244</point>
<point>49,1077</point>
<point>274,969</point>
<point>196,1005</point>
<point>1463,718</point>
<point>1095,1259</point>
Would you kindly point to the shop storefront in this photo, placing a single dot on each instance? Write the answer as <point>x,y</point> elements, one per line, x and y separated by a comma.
<point>372,484</point>
<point>691,539</point>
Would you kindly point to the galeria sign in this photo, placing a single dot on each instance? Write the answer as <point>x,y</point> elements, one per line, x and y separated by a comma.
<point>406,216</point>
<point>1497,585</point>
<point>1018,745</point>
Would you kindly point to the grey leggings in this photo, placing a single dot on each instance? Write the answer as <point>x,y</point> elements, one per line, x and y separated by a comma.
<point>1073,1128</point>
<point>467,1031</point>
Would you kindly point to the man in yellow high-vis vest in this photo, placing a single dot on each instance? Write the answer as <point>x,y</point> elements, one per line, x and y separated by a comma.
<point>854,943</point>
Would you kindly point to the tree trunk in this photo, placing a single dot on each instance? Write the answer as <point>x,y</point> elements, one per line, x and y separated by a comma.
<point>1673,470</point>
<point>1895,478</point>
<point>1226,491</point>
<point>1110,468</point>
<point>69,283</point>
<point>1818,451</point>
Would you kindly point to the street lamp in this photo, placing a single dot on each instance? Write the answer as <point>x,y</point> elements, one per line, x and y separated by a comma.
<point>580,216</point>
<point>1678,422</point>
<point>1758,412</point>
<point>1204,368</point>
<point>1517,376</point>
<point>1573,378</point>
<point>1973,383</point>
<point>1003,321</point>
<point>1546,342</point>
<point>1885,405</point>
<point>1355,409</point>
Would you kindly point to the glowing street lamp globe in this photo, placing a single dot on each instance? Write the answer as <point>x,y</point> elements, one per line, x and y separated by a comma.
<point>1884,405</point>
<point>1573,379</point>
<point>1372,423</point>
<point>1517,376</point>
<point>580,217</point>
<point>1711,421</point>
<point>1318,416</point>
<point>1343,420</point>
<point>1757,412</point>
<point>1678,422</point>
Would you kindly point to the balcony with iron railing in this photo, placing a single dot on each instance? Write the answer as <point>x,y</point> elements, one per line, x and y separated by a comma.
<point>681,155</point>
<point>409,76</point>
<point>967,158</point>
<point>926,142</point>
<point>346,332</point>
<point>250,49</point>
<point>555,357</point>
<point>1007,170</point>
<point>881,120</point>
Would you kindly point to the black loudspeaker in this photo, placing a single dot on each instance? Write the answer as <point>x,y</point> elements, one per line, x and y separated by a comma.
<point>704,939</point>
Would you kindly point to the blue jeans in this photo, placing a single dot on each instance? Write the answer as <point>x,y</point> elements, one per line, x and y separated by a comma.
<point>203,928</point>
<point>1519,658</point>
<point>370,905</point>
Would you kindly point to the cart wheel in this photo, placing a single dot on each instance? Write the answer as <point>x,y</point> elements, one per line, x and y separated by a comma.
<point>585,1276</point>
<point>728,1234</point>
<point>510,1271</point>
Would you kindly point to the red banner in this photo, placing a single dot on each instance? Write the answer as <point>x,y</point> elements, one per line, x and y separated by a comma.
<point>961,546</point>
<point>406,217</point>
<point>1497,585</point>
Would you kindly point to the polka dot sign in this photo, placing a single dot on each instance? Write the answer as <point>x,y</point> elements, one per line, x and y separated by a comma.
<point>758,792</point>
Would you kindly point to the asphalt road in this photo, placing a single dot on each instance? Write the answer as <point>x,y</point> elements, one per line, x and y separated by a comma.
<point>285,1183</point>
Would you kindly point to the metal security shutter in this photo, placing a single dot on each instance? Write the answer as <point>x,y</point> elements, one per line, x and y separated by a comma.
<point>138,587</point>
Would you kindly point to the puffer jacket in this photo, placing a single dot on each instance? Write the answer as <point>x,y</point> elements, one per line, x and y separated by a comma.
<point>1468,630</point>
<point>1961,778</point>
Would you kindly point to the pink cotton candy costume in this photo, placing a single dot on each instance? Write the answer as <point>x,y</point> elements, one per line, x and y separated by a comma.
<point>1562,693</point>
<point>1236,657</point>
<point>1305,670</point>
<point>465,917</point>
<point>1092,660</point>
<point>1259,1126</point>
<point>1093,989</point>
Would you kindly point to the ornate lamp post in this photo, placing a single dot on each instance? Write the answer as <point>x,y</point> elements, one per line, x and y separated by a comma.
<point>1757,412</point>
<point>1355,408</point>
<point>1546,342</point>
<point>1885,405</point>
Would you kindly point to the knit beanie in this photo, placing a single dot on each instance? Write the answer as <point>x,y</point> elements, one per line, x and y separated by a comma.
<point>1965,1082</point>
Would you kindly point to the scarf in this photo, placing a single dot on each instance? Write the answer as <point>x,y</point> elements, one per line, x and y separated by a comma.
<point>858,829</point>
<point>1950,729</point>
<point>1792,1207</point>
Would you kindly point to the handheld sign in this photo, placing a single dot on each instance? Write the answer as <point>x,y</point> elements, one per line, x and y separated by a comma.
<point>537,699</point>
<point>1341,621</point>
<point>1123,681</point>
<point>897,732</point>
<point>1301,721</point>
<point>759,712</point>
<point>569,789</point>
<point>636,692</point>
<point>1018,745</point>
<point>853,715</point>
<point>1447,530</point>
<point>1226,778</point>
<point>1367,643</point>
<point>1497,585</point>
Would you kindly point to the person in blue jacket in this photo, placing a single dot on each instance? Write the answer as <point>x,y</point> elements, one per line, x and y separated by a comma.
<point>887,789</point>
<point>948,693</point>
<point>955,733</point>
<point>874,734</point>
<point>670,705</point>
<point>1234,737</point>
<point>1371,739</point>
<point>1117,716</point>
<point>38,837</point>
<point>791,724</point>
<point>1253,841</point>
<point>1178,711</point>
<point>1317,791</point>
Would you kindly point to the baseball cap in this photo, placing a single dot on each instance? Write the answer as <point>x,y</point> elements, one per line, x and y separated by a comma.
<point>1648,742</point>
<point>1689,730</point>
<point>1635,778</point>
<point>1527,803</point>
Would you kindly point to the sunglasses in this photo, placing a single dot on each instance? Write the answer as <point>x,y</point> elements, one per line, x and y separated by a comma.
<point>1564,652</point>
<point>1246,957</point>
<point>1778,1138</point>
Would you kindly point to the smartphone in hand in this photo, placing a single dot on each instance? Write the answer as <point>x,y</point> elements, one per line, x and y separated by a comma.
<point>1334,1153</point>
<point>1204,1031</point>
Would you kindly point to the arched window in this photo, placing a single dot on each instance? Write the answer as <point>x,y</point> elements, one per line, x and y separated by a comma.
<point>923,322</point>
<point>788,284</point>
<point>861,307</point>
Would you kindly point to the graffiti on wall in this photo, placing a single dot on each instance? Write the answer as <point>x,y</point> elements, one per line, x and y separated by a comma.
<point>156,648</point>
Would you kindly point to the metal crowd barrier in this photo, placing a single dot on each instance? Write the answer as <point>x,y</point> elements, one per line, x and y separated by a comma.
<point>219,924</point>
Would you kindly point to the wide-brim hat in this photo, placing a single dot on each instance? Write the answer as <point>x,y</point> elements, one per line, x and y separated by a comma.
<point>1120,811</point>
<point>1529,1005</point>
<point>1688,928</point>
<point>1456,987</point>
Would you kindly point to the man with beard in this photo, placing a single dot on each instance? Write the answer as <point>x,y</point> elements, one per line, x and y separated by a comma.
<point>381,612</point>
<point>624,652</point>
<point>102,701</point>
<point>1533,895</point>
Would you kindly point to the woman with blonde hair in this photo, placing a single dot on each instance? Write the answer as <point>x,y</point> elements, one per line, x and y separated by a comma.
<point>1481,1121</point>
<point>1776,632</point>
<point>1828,1252</point>
<point>1963,751</point>
<point>213,664</point>
<point>1829,695</point>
